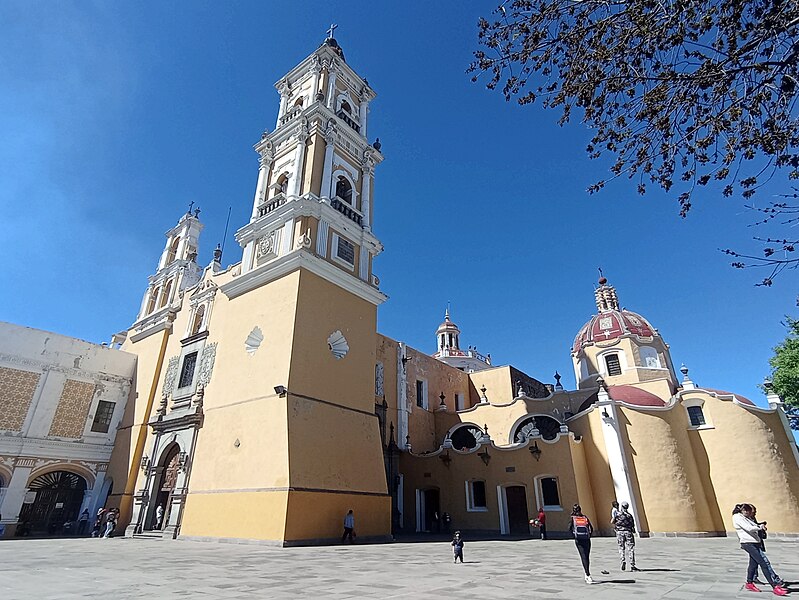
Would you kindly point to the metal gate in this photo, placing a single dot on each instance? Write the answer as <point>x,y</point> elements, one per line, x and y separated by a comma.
<point>59,496</point>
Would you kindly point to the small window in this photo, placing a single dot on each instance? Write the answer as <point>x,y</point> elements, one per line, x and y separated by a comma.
<point>459,402</point>
<point>549,492</point>
<point>476,495</point>
<point>613,365</point>
<point>345,250</point>
<point>649,357</point>
<point>345,106</point>
<point>103,416</point>
<point>167,292</point>
<point>187,372</point>
<point>421,394</point>
<point>696,416</point>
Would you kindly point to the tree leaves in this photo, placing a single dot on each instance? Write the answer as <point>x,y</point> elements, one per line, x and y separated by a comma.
<point>681,93</point>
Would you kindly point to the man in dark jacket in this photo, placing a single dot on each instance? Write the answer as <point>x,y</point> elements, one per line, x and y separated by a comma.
<point>625,536</point>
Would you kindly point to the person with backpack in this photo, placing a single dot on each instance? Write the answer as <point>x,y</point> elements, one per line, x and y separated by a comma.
<point>750,538</point>
<point>625,536</point>
<point>580,527</point>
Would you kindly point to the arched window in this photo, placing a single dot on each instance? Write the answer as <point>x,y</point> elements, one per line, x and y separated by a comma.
<point>282,184</point>
<point>198,319</point>
<point>649,357</point>
<point>151,301</point>
<point>344,189</point>
<point>465,437</point>
<point>173,251</point>
<point>345,106</point>
<point>167,293</point>
<point>548,427</point>
<point>612,364</point>
<point>299,102</point>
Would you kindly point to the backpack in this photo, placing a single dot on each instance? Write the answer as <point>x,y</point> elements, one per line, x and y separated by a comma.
<point>581,528</point>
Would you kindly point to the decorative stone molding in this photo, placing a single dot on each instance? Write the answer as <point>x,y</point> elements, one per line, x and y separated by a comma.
<point>338,345</point>
<point>71,372</point>
<point>170,376</point>
<point>266,247</point>
<point>253,341</point>
<point>206,364</point>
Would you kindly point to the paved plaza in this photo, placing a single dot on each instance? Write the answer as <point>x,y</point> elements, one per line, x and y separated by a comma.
<point>124,569</point>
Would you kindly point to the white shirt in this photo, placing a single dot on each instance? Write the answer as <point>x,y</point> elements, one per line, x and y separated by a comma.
<point>746,529</point>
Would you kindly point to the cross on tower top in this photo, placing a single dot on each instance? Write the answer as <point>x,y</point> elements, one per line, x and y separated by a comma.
<point>191,205</point>
<point>331,31</point>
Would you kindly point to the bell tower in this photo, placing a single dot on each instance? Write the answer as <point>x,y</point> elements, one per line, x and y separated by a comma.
<point>300,319</point>
<point>314,191</point>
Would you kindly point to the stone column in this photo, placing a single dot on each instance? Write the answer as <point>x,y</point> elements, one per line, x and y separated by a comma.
<point>14,496</point>
<point>331,86</point>
<point>327,169</point>
<point>366,192</point>
<point>617,458</point>
<point>363,113</point>
<point>316,70</point>
<point>402,398</point>
<point>263,172</point>
<point>283,89</point>
<point>299,163</point>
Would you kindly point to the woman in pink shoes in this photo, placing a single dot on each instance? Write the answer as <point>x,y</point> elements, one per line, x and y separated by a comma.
<point>749,535</point>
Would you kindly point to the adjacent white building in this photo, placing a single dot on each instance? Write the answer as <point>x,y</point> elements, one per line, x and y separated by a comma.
<point>61,403</point>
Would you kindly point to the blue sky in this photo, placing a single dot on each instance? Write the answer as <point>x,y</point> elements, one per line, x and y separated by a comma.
<point>116,115</point>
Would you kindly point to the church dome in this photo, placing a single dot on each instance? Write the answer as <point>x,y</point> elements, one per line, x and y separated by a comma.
<point>611,322</point>
<point>632,395</point>
<point>447,326</point>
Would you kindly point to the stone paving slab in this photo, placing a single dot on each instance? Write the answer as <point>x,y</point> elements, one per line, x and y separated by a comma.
<point>122,569</point>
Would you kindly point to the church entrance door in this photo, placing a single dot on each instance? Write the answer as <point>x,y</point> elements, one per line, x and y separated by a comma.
<point>428,511</point>
<point>165,485</point>
<point>518,519</point>
<point>59,496</point>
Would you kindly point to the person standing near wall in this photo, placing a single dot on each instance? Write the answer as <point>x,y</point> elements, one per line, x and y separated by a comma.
<point>581,528</point>
<point>625,536</point>
<point>349,526</point>
<point>749,535</point>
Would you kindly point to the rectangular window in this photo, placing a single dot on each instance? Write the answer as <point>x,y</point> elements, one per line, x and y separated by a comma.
<point>421,394</point>
<point>613,365</point>
<point>696,415</point>
<point>345,250</point>
<point>103,416</point>
<point>187,372</point>
<point>476,495</point>
<point>549,491</point>
<point>459,402</point>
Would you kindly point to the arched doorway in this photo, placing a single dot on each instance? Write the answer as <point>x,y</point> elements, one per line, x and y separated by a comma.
<point>164,486</point>
<point>58,498</point>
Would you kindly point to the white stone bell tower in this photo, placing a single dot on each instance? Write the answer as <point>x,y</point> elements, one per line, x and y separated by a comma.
<point>314,194</point>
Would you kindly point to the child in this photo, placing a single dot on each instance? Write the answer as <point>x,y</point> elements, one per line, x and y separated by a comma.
<point>457,546</point>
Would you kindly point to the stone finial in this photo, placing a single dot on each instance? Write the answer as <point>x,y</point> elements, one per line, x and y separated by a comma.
<point>558,385</point>
<point>483,398</point>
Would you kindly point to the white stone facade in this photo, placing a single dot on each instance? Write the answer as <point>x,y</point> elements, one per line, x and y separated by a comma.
<point>61,402</point>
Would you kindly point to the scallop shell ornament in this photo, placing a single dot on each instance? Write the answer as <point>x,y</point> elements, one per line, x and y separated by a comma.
<point>338,345</point>
<point>253,341</point>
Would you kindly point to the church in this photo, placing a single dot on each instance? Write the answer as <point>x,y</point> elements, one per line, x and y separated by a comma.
<point>264,404</point>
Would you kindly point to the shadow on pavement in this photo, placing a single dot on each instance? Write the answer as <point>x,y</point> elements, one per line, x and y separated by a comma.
<point>614,581</point>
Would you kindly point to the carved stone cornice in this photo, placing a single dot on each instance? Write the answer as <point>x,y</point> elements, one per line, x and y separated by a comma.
<point>40,365</point>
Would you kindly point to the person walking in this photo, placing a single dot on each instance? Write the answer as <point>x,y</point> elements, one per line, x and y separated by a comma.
<point>542,523</point>
<point>159,516</point>
<point>110,522</point>
<point>580,527</point>
<point>625,536</point>
<point>750,538</point>
<point>83,521</point>
<point>98,523</point>
<point>349,527</point>
<point>457,547</point>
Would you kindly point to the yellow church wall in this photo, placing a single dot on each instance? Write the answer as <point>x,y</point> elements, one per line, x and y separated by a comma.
<point>748,457</point>
<point>322,309</point>
<point>670,493</point>
<point>582,478</point>
<point>498,383</point>
<point>242,515</point>
<point>556,460</point>
<point>333,448</point>
<point>319,517</point>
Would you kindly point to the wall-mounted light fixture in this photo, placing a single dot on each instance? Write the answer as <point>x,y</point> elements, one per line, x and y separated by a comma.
<point>281,391</point>
<point>445,458</point>
<point>484,456</point>
<point>535,451</point>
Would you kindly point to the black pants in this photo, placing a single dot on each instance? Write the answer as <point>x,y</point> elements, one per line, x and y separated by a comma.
<point>757,558</point>
<point>347,534</point>
<point>584,548</point>
<point>458,554</point>
<point>543,528</point>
